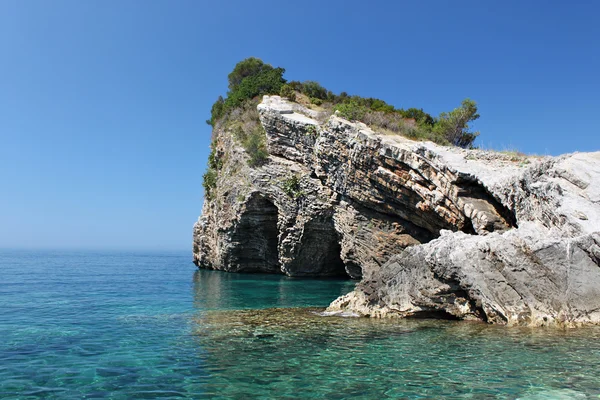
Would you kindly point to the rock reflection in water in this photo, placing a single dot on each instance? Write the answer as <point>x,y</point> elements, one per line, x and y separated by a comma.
<point>217,290</point>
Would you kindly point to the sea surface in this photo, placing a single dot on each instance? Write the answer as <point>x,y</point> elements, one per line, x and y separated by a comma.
<point>83,325</point>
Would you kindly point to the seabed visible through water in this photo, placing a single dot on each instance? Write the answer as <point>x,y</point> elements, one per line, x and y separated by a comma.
<point>126,326</point>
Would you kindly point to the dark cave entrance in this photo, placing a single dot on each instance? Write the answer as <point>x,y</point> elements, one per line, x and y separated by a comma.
<point>468,227</point>
<point>255,240</point>
<point>475,193</point>
<point>319,253</point>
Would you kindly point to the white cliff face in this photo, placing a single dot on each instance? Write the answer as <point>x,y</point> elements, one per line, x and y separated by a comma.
<point>460,233</point>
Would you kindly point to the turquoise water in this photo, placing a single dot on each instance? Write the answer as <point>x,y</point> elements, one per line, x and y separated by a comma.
<point>126,326</point>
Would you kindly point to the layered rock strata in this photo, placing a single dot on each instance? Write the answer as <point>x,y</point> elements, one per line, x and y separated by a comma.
<point>431,230</point>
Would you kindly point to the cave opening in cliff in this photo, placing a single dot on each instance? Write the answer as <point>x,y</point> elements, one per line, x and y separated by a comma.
<point>468,227</point>
<point>478,195</point>
<point>337,266</point>
<point>319,253</point>
<point>255,241</point>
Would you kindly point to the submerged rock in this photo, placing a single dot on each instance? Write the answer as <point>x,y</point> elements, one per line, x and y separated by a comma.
<point>431,230</point>
<point>289,324</point>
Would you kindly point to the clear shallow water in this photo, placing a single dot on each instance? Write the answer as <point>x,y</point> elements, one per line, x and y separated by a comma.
<point>126,325</point>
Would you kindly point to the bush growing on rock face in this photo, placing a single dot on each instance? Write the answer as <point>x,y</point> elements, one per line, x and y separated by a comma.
<point>291,187</point>
<point>246,114</point>
<point>311,130</point>
<point>243,123</point>
<point>256,147</point>
<point>209,182</point>
<point>217,111</point>
<point>214,162</point>
<point>209,179</point>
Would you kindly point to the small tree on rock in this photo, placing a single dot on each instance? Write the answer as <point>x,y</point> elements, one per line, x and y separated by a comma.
<point>251,66</point>
<point>454,125</point>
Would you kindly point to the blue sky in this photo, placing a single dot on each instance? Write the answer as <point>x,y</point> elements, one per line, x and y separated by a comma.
<point>102,103</point>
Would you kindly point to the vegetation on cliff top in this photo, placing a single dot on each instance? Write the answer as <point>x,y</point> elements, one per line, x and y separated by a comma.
<point>249,79</point>
<point>252,78</point>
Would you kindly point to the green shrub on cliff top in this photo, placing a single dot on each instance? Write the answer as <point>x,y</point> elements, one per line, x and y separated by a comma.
<point>314,90</point>
<point>454,126</point>
<point>249,67</point>
<point>418,115</point>
<point>269,81</point>
<point>250,78</point>
<point>288,92</point>
<point>352,111</point>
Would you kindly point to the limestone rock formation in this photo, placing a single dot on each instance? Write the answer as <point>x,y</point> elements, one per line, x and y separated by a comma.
<point>545,272</point>
<point>431,230</point>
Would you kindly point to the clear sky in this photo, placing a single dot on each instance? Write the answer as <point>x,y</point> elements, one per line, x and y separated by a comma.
<point>102,103</point>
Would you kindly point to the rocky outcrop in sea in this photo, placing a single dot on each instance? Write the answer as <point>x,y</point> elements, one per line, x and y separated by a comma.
<point>429,230</point>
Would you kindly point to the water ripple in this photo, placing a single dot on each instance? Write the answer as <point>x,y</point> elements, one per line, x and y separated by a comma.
<point>125,326</point>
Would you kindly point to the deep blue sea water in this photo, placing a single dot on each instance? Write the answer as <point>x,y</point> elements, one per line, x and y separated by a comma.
<point>77,325</point>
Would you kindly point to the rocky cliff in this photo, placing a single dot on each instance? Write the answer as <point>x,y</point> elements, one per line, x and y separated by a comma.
<point>429,230</point>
